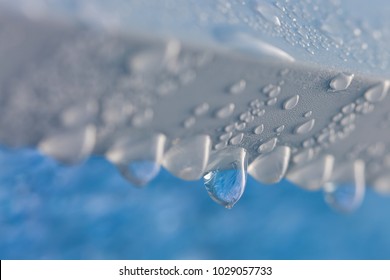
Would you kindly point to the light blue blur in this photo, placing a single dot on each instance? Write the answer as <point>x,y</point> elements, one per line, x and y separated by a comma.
<point>89,211</point>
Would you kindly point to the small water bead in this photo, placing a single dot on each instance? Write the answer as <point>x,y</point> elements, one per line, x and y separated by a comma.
<point>305,127</point>
<point>259,129</point>
<point>271,90</point>
<point>226,136</point>
<point>230,127</point>
<point>271,168</point>
<point>280,129</point>
<point>237,139</point>
<point>189,122</point>
<point>225,111</point>
<point>314,174</point>
<point>246,117</point>
<point>291,102</point>
<point>225,179</point>
<point>268,12</point>
<point>201,109</point>
<point>220,145</point>
<point>308,143</point>
<point>237,87</point>
<point>187,159</point>
<point>377,92</point>
<point>256,103</point>
<point>345,190</point>
<point>348,109</point>
<point>308,114</point>
<point>240,126</point>
<point>258,112</point>
<point>341,81</point>
<point>271,101</point>
<point>348,119</point>
<point>268,146</point>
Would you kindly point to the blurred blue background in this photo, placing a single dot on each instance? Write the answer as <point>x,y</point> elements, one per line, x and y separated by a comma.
<point>49,211</point>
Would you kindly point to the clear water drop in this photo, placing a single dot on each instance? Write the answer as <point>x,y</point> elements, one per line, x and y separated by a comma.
<point>306,127</point>
<point>279,129</point>
<point>348,109</point>
<point>226,177</point>
<point>271,168</point>
<point>259,129</point>
<point>272,90</point>
<point>187,159</point>
<point>345,190</point>
<point>314,174</point>
<point>308,114</point>
<point>341,81</point>
<point>237,139</point>
<point>201,109</point>
<point>291,102</point>
<point>237,87</point>
<point>226,136</point>
<point>138,158</point>
<point>268,146</point>
<point>189,122</point>
<point>140,172</point>
<point>272,101</point>
<point>268,12</point>
<point>377,92</point>
<point>225,111</point>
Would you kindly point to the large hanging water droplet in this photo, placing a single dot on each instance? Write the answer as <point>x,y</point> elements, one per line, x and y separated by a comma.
<point>138,158</point>
<point>314,174</point>
<point>271,168</point>
<point>377,92</point>
<point>226,179</point>
<point>341,81</point>
<point>345,190</point>
<point>71,146</point>
<point>187,159</point>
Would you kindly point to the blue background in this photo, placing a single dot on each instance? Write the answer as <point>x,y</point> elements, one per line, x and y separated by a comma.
<point>49,211</point>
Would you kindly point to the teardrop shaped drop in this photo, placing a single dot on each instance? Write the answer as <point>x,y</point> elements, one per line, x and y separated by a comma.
<point>226,177</point>
<point>271,168</point>
<point>138,159</point>
<point>188,158</point>
<point>345,191</point>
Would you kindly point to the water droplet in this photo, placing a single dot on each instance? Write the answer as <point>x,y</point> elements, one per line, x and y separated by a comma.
<point>345,190</point>
<point>268,12</point>
<point>305,127</point>
<point>189,122</point>
<point>240,126</point>
<point>237,139</point>
<point>142,118</point>
<point>348,119</point>
<point>258,130</point>
<point>226,136</point>
<point>267,146</point>
<point>187,159</point>
<point>238,87</point>
<point>220,145</point>
<point>201,109</point>
<point>225,111</point>
<point>246,117</point>
<point>139,172</point>
<point>341,81</point>
<point>291,102</point>
<point>71,146</point>
<point>314,174</point>
<point>138,158</point>
<point>348,109</point>
<point>226,179</point>
<point>230,127</point>
<point>377,92</point>
<point>271,90</point>
<point>280,129</point>
<point>272,167</point>
<point>308,114</point>
<point>272,101</point>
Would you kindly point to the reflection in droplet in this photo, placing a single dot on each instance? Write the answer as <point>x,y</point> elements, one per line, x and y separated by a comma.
<point>345,190</point>
<point>226,179</point>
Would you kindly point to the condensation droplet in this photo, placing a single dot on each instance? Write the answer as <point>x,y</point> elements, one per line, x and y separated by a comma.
<point>291,102</point>
<point>305,127</point>
<point>237,139</point>
<point>201,109</point>
<point>341,81</point>
<point>377,92</point>
<point>237,87</point>
<point>225,111</point>
<point>259,129</point>
<point>268,146</point>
